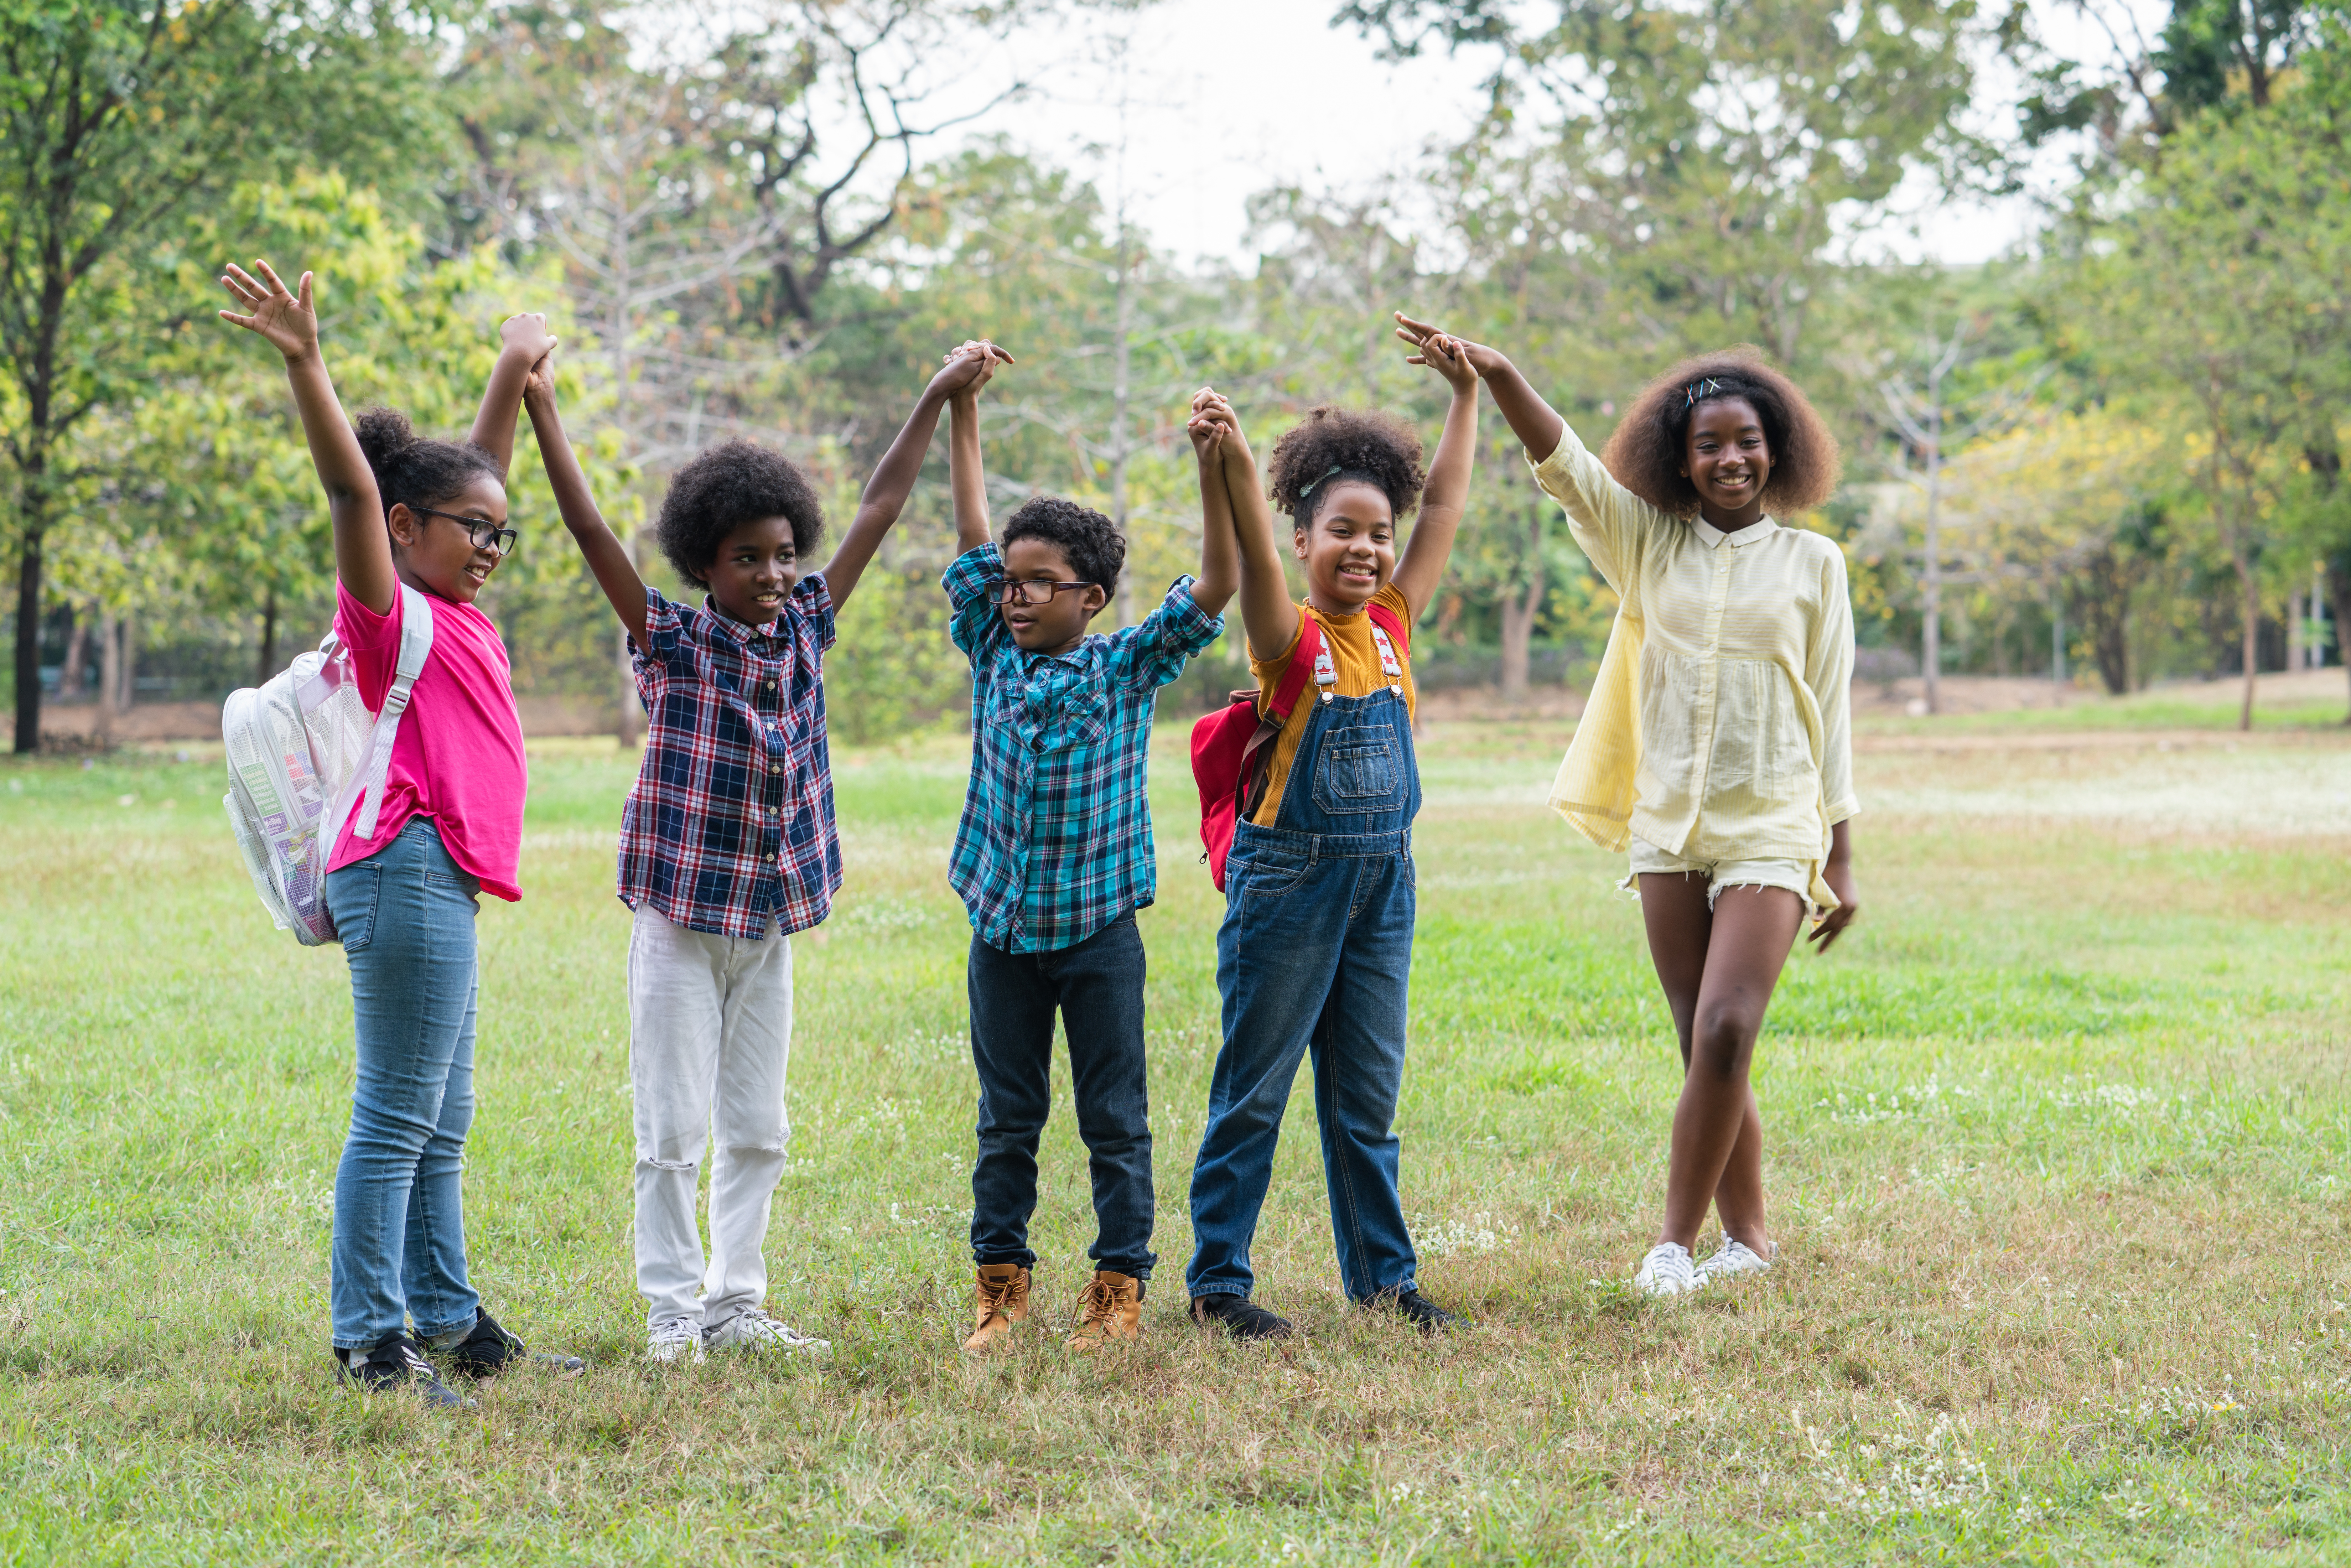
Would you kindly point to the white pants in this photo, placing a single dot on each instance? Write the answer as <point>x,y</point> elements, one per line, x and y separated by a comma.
<point>710,1033</point>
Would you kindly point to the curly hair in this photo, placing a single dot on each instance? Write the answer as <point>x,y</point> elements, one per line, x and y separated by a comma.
<point>1647,453</point>
<point>1089,539</point>
<point>725,487</point>
<point>1336,444</point>
<point>412,470</point>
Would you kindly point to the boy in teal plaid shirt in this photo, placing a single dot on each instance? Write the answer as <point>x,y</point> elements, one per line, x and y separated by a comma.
<point>1054,856</point>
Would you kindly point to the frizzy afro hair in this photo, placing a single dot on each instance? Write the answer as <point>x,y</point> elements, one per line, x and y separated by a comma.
<point>413,470</point>
<point>735,483</point>
<point>1646,454</point>
<point>1090,541</point>
<point>1371,448</point>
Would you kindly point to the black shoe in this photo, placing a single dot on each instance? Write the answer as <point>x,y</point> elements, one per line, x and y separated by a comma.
<point>1416,1310</point>
<point>396,1362</point>
<point>1239,1317</point>
<point>490,1350</point>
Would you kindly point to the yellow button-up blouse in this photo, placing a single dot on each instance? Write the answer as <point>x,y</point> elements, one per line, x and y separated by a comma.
<point>1720,725</point>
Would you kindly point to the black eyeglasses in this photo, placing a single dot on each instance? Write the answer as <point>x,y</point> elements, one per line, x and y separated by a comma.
<point>1014,591</point>
<point>485,534</point>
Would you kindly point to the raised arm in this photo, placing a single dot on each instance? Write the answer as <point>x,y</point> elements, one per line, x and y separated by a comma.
<point>1425,553</point>
<point>967,478</point>
<point>608,558</point>
<point>968,369</point>
<point>1611,524</point>
<point>524,342</point>
<point>1534,421</point>
<point>287,319</point>
<point>1267,610</point>
<point>1220,561</point>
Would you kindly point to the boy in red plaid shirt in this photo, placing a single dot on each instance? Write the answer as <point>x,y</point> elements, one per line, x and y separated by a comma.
<point>728,845</point>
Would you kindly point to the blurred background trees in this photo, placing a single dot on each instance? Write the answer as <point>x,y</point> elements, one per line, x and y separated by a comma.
<point>767,220</point>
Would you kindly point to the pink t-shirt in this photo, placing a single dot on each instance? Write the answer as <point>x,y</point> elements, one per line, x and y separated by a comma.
<point>458,757</point>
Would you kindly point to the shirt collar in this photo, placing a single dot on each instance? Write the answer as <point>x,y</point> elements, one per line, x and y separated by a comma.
<point>1710,536</point>
<point>737,629</point>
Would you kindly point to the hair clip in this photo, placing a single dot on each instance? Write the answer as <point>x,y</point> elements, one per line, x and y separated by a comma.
<point>1319,478</point>
<point>1696,390</point>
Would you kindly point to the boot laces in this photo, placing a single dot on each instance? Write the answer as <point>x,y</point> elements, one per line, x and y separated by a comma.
<point>1102,1299</point>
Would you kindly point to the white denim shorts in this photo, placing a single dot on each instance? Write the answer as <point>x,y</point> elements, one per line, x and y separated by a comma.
<point>1796,876</point>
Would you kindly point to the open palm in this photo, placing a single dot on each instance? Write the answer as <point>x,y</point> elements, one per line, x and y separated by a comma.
<point>285,317</point>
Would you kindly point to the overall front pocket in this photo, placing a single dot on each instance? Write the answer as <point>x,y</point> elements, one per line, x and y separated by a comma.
<point>1358,770</point>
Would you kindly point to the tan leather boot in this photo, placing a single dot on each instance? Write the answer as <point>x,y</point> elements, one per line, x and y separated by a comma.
<point>1111,1309</point>
<point>1003,1302</point>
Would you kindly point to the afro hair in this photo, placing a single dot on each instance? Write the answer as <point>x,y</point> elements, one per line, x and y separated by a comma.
<point>1339,444</point>
<point>725,487</point>
<point>416,471</point>
<point>1089,539</point>
<point>1646,455</point>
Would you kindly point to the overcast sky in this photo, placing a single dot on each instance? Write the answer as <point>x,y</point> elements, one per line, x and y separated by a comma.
<point>1226,98</point>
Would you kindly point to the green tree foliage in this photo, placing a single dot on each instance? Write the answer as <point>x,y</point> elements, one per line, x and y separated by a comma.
<point>124,119</point>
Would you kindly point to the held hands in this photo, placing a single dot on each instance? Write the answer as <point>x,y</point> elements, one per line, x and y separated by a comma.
<point>526,337</point>
<point>969,367</point>
<point>1215,431</point>
<point>286,319</point>
<point>1458,360</point>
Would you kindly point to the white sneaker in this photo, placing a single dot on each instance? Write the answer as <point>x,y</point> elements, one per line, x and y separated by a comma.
<point>1667,1272</point>
<point>1736,1257</point>
<point>679,1339</point>
<point>753,1329</point>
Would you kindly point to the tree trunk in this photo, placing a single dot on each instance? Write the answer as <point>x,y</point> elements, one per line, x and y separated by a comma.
<point>2252,614</point>
<point>2339,589</point>
<point>29,625</point>
<point>1519,610</point>
<point>2104,609</point>
<point>70,679</point>
<point>110,674</point>
<point>127,629</point>
<point>268,663</point>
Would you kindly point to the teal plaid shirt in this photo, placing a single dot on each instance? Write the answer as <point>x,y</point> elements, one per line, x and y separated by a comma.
<point>1055,841</point>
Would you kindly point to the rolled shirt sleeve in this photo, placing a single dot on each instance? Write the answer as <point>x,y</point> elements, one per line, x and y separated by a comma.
<point>976,627</point>
<point>1156,651</point>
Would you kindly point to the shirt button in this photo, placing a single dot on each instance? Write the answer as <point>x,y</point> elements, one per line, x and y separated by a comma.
<point>775,767</point>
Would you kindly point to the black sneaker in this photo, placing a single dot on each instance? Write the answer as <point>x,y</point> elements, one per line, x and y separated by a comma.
<point>490,1350</point>
<point>396,1362</point>
<point>1416,1310</point>
<point>1239,1317</point>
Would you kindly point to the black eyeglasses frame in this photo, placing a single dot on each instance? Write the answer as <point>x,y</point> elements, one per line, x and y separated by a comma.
<point>501,543</point>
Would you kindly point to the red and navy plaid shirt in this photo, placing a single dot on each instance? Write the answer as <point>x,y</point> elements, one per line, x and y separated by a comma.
<point>730,821</point>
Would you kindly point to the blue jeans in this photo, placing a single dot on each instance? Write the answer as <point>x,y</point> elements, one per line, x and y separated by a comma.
<point>1096,986</point>
<point>405,915</point>
<point>1315,955</point>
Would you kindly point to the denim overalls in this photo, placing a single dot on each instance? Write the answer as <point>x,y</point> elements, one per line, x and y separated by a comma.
<point>1315,953</point>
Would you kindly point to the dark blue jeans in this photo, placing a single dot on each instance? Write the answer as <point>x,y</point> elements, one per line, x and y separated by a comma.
<point>1096,986</point>
<point>405,917</point>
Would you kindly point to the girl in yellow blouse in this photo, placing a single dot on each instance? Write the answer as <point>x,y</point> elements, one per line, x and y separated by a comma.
<point>1717,746</point>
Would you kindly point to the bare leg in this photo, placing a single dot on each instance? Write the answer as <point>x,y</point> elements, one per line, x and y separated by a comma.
<point>1718,972</point>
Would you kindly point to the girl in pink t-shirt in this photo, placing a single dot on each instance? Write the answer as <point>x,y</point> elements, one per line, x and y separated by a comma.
<point>430,516</point>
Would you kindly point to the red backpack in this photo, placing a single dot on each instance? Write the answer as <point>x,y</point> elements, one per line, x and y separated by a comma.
<point>1230,761</point>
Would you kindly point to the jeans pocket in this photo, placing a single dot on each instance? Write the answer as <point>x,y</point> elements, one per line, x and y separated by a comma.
<point>1267,876</point>
<point>351,896</point>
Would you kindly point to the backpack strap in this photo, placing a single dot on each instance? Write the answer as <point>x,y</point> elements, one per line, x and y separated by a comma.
<point>1303,659</point>
<point>415,646</point>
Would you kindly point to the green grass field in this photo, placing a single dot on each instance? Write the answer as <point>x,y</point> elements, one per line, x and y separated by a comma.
<point>2057,1145</point>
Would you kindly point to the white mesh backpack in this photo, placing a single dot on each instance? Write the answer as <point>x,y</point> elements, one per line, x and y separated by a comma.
<point>302,749</point>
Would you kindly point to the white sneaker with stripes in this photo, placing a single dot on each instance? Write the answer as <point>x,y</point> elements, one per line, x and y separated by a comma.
<point>1667,1272</point>
<point>753,1329</point>
<point>1736,1258</point>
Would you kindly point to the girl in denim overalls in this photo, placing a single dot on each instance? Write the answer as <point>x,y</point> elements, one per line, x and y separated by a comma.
<point>1315,951</point>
